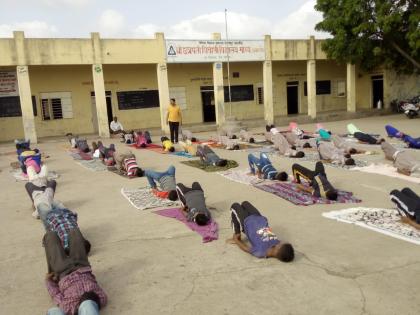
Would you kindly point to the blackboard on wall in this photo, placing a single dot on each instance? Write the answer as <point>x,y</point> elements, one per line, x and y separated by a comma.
<point>138,99</point>
<point>239,93</point>
<point>10,106</point>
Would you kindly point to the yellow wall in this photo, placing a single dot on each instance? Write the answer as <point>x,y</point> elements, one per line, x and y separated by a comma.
<point>7,52</point>
<point>364,88</point>
<point>123,51</point>
<point>132,78</point>
<point>400,87</point>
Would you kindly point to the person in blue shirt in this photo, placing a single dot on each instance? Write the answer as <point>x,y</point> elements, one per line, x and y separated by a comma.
<point>264,243</point>
<point>263,168</point>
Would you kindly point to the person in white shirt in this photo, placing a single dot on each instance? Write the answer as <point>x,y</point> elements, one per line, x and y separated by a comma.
<point>116,127</point>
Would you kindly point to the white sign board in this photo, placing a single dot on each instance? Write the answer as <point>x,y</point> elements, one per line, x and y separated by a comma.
<point>8,84</point>
<point>179,51</point>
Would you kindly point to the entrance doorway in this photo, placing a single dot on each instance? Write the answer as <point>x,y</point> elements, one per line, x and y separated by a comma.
<point>377,90</point>
<point>108,99</point>
<point>292,97</point>
<point>209,108</point>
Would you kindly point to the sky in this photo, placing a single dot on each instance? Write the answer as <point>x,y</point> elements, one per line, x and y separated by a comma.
<point>180,19</point>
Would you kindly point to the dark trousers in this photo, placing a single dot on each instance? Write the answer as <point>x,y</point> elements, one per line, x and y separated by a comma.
<point>364,137</point>
<point>239,213</point>
<point>174,129</point>
<point>407,202</point>
<point>57,260</point>
<point>181,189</point>
<point>300,171</point>
<point>148,137</point>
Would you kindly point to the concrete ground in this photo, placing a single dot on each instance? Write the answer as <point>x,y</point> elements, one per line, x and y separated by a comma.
<point>149,264</point>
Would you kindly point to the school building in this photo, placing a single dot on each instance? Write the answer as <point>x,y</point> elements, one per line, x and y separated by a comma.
<point>49,87</point>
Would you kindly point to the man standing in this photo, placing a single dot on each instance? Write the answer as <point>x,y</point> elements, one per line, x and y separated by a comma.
<point>116,127</point>
<point>174,119</point>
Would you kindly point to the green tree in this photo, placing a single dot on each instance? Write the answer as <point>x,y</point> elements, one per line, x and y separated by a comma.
<point>373,32</point>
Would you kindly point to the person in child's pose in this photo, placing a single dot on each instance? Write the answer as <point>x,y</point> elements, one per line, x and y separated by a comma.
<point>208,156</point>
<point>328,152</point>
<point>348,147</point>
<point>189,147</point>
<point>263,168</point>
<point>230,144</point>
<point>320,186</point>
<point>167,145</point>
<point>408,205</point>
<point>194,204</point>
<point>166,182</point>
<point>246,136</point>
<point>284,148</point>
<point>404,160</point>
<point>264,243</point>
<point>125,162</point>
<point>188,135</point>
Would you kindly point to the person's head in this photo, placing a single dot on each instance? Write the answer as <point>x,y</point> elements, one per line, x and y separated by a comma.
<point>115,118</point>
<point>221,163</point>
<point>300,154</point>
<point>282,176</point>
<point>164,139</point>
<point>173,102</point>
<point>193,139</point>
<point>331,195</point>
<point>350,161</point>
<point>234,137</point>
<point>347,156</point>
<point>172,195</point>
<point>100,144</point>
<point>353,151</point>
<point>94,146</point>
<point>90,295</point>
<point>306,145</point>
<point>267,128</point>
<point>236,147</point>
<point>86,150</point>
<point>201,219</point>
<point>139,172</point>
<point>172,149</point>
<point>381,140</point>
<point>293,147</point>
<point>251,140</point>
<point>143,145</point>
<point>284,252</point>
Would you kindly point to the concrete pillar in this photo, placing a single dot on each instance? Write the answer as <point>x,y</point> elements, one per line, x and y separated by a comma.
<point>219,92</point>
<point>99,87</point>
<point>25,95</point>
<point>311,79</point>
<point>351,88</point>
<point>162,78</point>
<point>100,100</point>
<point>268,83</point>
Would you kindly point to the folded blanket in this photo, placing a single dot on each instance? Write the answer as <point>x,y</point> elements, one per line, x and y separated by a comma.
<point>290,192</point>
<point>210,168</point>
<point>385,221</point>
<point>93,165</point>
<point>143,198</point>
<point>387,170</point>
<point>20,176</point>
<point>241,176</point>
<point>209,232</point>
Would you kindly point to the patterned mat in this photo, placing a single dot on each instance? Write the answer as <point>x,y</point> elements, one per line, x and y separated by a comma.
<point>387,170</point>
<point>143,198</point>
<point>210,168</point>
<point>93,165</point>
<point>358,163</point>
<point>290,192</point>
<point>241,176</point>
<point>19,176</point>
<point>80,155</point>
<point>385,221</point>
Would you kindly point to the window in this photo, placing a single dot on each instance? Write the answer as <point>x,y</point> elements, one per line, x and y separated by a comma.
<point>341,88</point>
<point>240,93</point>
<point>179,94</point>
<point>322,88</point>
<point>235,74</point>
<point>260,95</point>
<point>56,105</point>
<point>10,106</point>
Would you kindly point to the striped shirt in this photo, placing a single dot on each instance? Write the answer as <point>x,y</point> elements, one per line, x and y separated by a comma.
<point>269,171</point>
<point>167,183</point>
<point>68,291</point>
<point>130,165</point>
<point>62,221</point>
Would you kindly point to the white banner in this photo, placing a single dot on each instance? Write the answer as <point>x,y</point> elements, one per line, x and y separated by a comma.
<point>8,84</point>
<point>179,51</point>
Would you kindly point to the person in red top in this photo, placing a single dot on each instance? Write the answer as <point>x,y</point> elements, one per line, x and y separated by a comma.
<point>70,280</point>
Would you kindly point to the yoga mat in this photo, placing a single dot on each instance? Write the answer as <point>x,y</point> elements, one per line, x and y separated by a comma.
<point>81,155</point>
<point>93,165</point>
<point>358,163</point>
<point>149,146</point>
<point>385,221</point>
<point>241,176</point>
<point>143,198</point>
<point>209,232</point>
<point>210,168</point>
<point>19,176</point>
<point>182,154</point>
<point>290,192</point>
<point>386,170</point>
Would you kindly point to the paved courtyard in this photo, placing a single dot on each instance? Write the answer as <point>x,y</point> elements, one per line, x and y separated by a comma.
<point>149,264</point>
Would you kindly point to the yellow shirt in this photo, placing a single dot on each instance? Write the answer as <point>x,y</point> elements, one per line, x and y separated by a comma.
<point>167,144</point>
<point>174,113</point>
